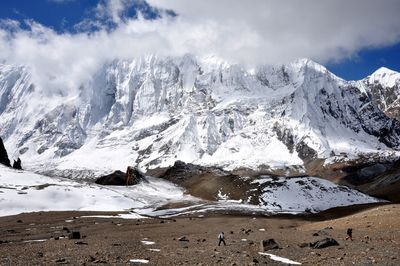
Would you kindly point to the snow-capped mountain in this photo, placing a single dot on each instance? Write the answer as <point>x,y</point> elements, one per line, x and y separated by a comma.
<point>156,110</point>
<point>383,87</point>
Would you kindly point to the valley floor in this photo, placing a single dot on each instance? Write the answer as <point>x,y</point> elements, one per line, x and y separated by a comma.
<point>30,239</point>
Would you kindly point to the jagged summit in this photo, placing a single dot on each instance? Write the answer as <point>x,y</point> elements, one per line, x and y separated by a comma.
<point>156,110</point>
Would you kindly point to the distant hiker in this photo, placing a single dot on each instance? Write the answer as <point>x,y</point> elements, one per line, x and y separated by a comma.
<point>221,238</point>
<point>349,234</point>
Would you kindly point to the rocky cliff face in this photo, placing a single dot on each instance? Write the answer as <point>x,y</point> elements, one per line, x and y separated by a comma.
<point>3,155</point>
<point>154,111</point>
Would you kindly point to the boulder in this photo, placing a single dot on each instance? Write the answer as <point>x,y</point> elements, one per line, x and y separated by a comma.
<point>119,178</point>
<point>3,154</point>
<point>74,235</point>
<point>17,164</point>
<point>268,244</point>
<point>323,243</point>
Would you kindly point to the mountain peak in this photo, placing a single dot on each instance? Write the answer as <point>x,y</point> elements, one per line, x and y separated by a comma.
<point>385,77</point>
<point>308,63</point>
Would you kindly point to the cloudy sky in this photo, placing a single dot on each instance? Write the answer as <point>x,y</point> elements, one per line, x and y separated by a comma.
<point>64,41</point>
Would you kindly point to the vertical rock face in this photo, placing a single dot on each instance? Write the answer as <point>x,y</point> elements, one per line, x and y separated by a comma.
<point>3,154</point>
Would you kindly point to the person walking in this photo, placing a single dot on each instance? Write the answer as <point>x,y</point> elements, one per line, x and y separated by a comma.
<point>349,234</point>
<point>221,238</point>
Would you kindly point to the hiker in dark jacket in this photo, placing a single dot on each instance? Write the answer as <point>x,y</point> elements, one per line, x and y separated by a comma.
<point>221,238</point>
<point>349,234</point>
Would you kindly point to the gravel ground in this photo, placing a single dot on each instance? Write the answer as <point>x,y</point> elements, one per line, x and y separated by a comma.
<point>42,239</point>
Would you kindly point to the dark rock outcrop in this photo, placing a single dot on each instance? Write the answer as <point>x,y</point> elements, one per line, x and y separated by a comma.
<point>323,243</point>
<point>3,154</point>
<point>132,177</point>
<point>268,244</point>
<point>17,164</point>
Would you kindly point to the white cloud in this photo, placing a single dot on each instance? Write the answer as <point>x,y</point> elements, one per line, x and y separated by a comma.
<point>252,32</point>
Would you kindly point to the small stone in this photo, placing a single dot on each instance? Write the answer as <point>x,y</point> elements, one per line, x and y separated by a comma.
<point>183,238</point>
<point>303,245</point>
<point>81,243</point>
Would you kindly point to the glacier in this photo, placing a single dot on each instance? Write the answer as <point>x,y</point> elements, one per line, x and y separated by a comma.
<point>152,111</point>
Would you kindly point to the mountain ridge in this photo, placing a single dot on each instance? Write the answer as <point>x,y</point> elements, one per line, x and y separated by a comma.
<point>154,111</point>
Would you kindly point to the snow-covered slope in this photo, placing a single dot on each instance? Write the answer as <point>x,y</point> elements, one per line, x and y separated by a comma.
<point>154,111</point>
<point>22,191</point>
<point>307,193</point>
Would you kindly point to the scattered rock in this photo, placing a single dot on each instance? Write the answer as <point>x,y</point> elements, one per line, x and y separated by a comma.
<point>255,260</point>
<point>183,238</point>
<point>315,234</point>
<point>323,243</point>
<point>268,244</point>
<point>19,221</point>
<point>61,260</point>
<point>74,235</point>
<point>40,254</point>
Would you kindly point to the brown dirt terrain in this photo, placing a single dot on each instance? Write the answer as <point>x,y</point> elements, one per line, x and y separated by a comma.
<point>115,241</point>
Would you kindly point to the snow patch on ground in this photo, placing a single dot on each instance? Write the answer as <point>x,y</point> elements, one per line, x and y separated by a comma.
<point>280,259</point>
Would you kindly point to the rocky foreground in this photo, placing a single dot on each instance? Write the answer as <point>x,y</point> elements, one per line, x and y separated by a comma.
<point>52,238</point>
